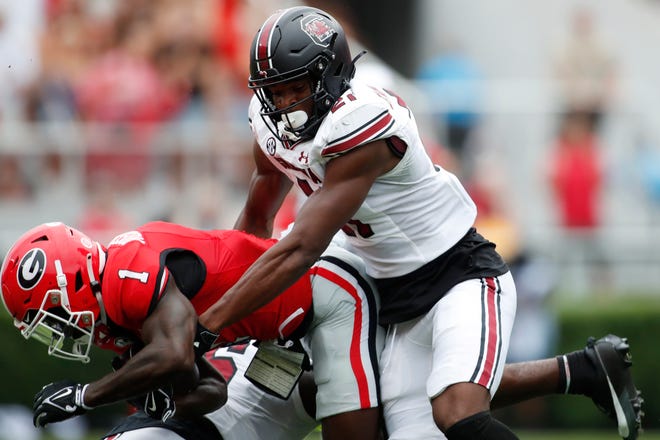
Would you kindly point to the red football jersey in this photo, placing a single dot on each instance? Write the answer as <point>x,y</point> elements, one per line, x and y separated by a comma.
<point>204,264</point>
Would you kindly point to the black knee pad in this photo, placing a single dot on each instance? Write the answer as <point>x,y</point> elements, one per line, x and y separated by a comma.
<point>480,426</point>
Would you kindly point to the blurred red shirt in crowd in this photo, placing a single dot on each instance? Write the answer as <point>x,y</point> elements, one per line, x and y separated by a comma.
<point>576,174</point>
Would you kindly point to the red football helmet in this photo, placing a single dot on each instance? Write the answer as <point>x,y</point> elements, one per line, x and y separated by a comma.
<point>50,286</point>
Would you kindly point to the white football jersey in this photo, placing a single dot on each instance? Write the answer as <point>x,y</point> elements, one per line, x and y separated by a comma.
<point>251,413</point>
<point>412,214</point>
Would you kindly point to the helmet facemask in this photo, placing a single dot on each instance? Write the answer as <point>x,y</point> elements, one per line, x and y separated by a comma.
<point>293,44</point>
<point>289,125</point>
<point>68,334</point>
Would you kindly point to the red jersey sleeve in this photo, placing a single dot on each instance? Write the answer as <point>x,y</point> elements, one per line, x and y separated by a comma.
<point>133,282</point>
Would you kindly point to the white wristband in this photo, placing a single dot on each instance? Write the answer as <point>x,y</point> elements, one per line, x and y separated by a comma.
<point>80,397</point>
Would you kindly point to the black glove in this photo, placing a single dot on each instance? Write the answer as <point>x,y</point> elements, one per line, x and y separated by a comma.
<point>58,401</point>
<point>159,403</point>
<point>204,339</point>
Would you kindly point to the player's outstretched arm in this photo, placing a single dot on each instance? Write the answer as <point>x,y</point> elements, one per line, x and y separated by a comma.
<point>347,182</point>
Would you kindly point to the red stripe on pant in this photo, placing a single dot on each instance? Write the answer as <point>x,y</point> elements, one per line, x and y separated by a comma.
<point>492,335</point>
<point>355,352</point>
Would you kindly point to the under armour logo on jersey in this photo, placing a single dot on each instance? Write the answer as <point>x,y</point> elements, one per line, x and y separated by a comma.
<point>31,268</point>
<point>270,146</point>
<point>304,157</point>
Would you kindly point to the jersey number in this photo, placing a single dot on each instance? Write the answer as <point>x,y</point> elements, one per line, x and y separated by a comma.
<point>341,102</point>
<point>140,276</point>
<point>226,364</point>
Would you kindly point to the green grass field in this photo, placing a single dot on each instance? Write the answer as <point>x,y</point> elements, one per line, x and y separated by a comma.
<point>580,435</point>
<point>561,435</point>
<point>524,435</point>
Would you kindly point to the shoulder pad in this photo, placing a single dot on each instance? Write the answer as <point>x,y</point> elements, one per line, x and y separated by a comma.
<point>357,118</point>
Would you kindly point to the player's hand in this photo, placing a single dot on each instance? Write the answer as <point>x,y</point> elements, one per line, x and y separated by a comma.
<point>58,401</point>
<point>159,403</point>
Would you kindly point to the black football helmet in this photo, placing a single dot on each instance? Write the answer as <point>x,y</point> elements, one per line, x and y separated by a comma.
<point>295,43</point>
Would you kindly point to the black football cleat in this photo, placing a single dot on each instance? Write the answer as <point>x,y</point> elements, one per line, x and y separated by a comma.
<point>615,393</point>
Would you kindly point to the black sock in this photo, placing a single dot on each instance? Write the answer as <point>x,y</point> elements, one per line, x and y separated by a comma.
<point>480,426</point>
<point>576,373</point>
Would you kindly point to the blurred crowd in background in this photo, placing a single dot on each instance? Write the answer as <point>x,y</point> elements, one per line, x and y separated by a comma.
<point>107,99</point>
<point>117,112</point>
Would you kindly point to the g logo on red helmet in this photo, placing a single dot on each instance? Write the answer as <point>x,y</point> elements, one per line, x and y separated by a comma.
<point>31,268</point>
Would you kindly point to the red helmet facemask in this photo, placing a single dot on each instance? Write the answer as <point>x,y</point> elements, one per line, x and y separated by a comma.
<point>50,286</point>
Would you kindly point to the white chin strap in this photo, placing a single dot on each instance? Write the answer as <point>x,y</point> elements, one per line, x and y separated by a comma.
<point>92,279</point>
<point>290,123</point>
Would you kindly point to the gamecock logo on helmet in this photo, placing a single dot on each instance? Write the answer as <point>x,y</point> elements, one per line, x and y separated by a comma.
<point>318,30</point>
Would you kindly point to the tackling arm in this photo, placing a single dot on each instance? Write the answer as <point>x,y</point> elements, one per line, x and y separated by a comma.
<point>348,180</point>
